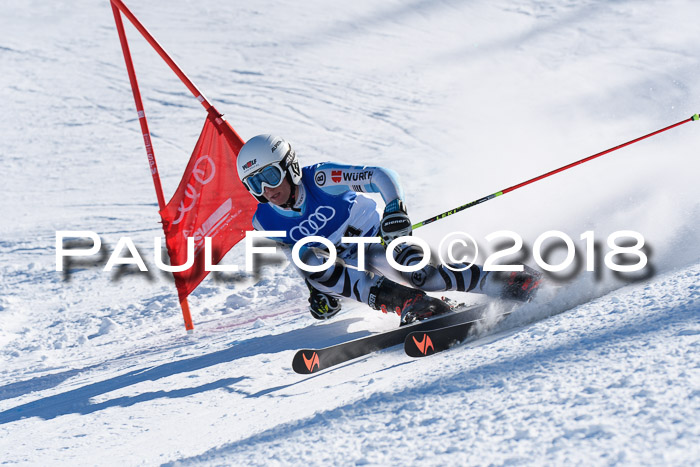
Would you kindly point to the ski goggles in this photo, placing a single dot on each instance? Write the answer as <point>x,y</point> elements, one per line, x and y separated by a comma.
<point>271,176</point>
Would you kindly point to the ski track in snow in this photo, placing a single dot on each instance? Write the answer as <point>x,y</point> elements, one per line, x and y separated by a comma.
<point>461,99</point>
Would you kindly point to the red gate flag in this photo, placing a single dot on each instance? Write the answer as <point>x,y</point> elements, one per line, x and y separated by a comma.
<point>209,202</point>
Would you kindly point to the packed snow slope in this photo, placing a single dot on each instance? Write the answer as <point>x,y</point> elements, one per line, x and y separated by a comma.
<point>462,99</point>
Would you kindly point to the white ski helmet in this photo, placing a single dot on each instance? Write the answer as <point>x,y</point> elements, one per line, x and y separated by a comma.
<point>266,160</point>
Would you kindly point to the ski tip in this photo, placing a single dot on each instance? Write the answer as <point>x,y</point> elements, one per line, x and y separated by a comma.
<point>695,117</point>
<point>419,344</point>
<point>306,362</point>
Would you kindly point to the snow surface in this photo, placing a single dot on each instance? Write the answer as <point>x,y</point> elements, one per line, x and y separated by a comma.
<point>462,99</point>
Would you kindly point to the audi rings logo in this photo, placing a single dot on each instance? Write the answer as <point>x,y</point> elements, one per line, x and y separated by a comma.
<point>313,224</point>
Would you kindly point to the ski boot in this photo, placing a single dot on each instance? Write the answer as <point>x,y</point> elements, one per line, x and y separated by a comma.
<point>410,304</point>
<point>521,286</point>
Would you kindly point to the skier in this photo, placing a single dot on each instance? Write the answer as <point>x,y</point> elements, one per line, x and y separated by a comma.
<point>327,200</point>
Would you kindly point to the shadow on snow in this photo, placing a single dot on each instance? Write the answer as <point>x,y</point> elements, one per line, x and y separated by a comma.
<point>78,401</point>
<point>466,381</point>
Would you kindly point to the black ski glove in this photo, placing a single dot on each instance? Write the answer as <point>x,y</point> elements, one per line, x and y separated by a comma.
<point>395,222</point>
<point>322,305</point>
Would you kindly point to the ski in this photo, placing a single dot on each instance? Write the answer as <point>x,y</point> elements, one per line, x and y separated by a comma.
<point>423,342</point>
<point>307,361</point>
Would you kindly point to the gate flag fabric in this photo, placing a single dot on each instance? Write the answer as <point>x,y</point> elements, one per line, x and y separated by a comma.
<point>209,202</point>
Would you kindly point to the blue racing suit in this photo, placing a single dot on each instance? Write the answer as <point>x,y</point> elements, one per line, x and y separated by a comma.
<point>331,203</point>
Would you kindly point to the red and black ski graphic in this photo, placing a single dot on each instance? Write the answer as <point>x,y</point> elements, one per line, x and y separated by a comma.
<point>423,342</point>
<point>308,361</point>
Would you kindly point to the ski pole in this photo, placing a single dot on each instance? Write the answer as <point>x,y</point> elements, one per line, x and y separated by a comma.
<point>540,177</point>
